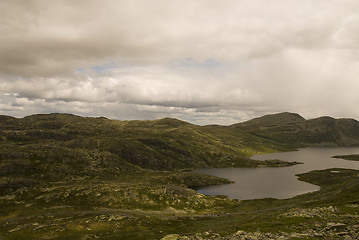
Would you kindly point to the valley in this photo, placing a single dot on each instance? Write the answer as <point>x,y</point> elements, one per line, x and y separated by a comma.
<point>70,177</point>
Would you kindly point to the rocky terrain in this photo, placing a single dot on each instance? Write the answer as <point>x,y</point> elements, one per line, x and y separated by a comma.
<point>69,177</point>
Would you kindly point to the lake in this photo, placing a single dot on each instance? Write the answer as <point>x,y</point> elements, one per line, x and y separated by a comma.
<point>281,183</point>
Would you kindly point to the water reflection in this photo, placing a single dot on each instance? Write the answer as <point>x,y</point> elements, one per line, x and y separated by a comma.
<point>278,182</point>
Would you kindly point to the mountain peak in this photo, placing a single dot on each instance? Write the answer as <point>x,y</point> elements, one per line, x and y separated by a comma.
<point>281,118</point>
<point>173,122</point>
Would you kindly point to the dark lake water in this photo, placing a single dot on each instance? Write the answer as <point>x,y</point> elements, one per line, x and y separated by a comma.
<point>278,183</point>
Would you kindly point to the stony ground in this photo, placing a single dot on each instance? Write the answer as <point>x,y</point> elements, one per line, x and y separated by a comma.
<point>66,177</point>
<point>344,226</point>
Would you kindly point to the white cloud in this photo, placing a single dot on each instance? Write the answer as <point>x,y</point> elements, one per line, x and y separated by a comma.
<point>198,60</point>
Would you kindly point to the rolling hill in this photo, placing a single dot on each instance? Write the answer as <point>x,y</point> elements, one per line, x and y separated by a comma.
<point>57,146</point>
<point>69,177</point>
<point>292,129</point>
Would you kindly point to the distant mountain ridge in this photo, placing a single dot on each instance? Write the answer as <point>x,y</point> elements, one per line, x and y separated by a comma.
<point>291,128</point>
<point>275,119</point>
<point>58,145</point>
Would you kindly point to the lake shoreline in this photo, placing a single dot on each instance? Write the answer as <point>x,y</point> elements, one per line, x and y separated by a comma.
<point>279,183</point>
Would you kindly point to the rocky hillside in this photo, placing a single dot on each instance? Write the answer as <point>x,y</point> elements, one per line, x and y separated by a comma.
<point>68,177</point>
<point>56,146</point>
<point>106,146</point>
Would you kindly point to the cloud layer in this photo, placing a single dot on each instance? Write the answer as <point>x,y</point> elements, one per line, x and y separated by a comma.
<point>205,61</point>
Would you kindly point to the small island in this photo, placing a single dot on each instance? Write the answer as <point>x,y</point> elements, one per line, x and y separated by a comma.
<point>351,157</point>
<point>278,163</point>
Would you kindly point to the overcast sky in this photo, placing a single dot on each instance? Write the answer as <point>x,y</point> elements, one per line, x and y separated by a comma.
<point>203,61</point>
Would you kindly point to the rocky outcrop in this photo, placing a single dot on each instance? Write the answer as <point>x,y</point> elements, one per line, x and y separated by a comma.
<point>333,231</point>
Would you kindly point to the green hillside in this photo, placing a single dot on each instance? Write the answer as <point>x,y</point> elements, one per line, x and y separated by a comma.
<point>69,177</point>
<point>53,147</point>
<point>292,129</point>
<point>91,146</point>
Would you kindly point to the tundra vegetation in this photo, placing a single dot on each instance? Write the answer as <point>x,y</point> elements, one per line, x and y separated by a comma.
<point>68,177</point>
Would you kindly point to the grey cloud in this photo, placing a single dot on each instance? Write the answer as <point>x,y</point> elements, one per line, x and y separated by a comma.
<point>143,85</point>
<point>197,60</point>
<point>42,38</point>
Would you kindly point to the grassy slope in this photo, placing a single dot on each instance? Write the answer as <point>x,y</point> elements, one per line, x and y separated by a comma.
<point>68,177</point>
<point>292,129</point>
<point>124,210</point>
<point>160,144</point>
<point>70,167</point>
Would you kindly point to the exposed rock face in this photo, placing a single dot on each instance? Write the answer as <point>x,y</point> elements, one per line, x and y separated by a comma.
<point>336,226</point>
<point>310,212</point>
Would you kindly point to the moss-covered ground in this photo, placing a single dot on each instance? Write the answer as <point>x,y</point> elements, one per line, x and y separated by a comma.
<point>68,177</point>
<point>151,205</point>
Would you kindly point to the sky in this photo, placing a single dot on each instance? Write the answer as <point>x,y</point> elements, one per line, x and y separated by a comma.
<point>202,61</point>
